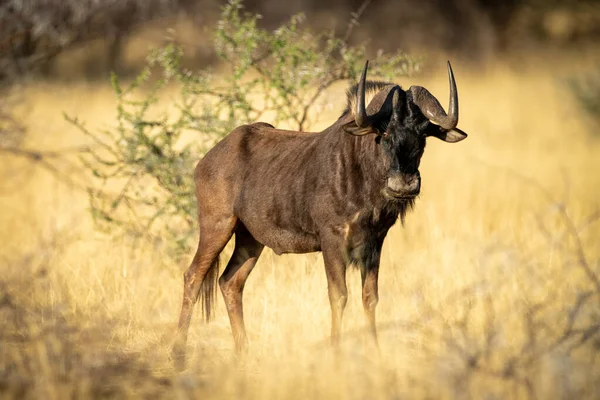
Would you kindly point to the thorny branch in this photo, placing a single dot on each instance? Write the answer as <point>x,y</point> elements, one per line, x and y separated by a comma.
<point>571,226</point>
<point>12,132</point>
<point>582,321</point>
<point>354,20</point>
<point>49,161</point>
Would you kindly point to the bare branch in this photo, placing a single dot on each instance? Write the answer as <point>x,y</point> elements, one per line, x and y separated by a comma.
<point>354,20</point>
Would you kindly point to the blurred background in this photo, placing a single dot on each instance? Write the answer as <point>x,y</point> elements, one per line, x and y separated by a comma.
<point>491,288</point>
<point>79,39</point>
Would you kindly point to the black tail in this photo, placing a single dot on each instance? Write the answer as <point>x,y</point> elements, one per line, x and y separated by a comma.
<point>208,291</point>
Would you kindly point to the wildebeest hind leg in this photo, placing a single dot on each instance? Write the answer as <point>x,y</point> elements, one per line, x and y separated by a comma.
<point>214,235</point>
<point>244,257</point>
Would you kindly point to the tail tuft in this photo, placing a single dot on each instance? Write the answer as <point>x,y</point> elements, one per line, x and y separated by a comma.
<point>208,291</point>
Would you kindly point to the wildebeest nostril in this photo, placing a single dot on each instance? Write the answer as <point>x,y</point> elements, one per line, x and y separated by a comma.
<point>396,183</point>
<point>416,185</point>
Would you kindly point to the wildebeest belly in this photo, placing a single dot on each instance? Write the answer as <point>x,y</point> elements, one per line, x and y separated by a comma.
<point>277,220</point>
<point>282,240</point>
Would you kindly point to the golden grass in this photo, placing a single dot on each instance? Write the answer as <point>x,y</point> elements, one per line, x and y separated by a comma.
<point>88,315</point>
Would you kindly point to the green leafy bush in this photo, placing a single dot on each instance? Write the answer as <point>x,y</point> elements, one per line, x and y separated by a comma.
<point>145,164</point>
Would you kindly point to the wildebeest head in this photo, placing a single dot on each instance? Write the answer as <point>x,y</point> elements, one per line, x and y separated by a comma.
<point>402,120</point>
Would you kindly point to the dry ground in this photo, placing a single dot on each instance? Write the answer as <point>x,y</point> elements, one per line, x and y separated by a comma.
<point>470,288</point>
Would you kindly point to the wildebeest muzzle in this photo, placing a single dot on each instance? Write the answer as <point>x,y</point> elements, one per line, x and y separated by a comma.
<point>403,186</point>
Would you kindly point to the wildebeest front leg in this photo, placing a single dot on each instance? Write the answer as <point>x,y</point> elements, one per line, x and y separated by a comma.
<point>370,296</point>
<point>335,269</point>
<point>244,257</point>
<point>369,271</point>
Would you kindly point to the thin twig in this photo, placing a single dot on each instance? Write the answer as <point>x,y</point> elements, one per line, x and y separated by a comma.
<point>354,20</point>
<point>568,221</point>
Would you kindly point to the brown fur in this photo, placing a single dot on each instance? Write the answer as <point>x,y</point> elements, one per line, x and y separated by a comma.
<point>298,192</point>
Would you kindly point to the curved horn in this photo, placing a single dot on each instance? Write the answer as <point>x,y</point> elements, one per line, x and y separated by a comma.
<point>431,107</point>
<point>453,104</point>
<point>361,117</point>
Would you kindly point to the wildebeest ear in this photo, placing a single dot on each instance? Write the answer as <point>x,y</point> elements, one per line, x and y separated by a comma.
<point>450,136</point>
<point>355,130</point>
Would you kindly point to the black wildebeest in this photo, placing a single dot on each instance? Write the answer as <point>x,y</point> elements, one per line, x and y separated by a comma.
<point>337,191</point>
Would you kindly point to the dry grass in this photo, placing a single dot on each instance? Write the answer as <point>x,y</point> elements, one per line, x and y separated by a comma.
<point>463,285</point>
